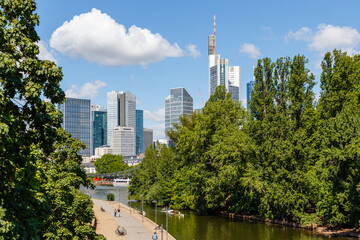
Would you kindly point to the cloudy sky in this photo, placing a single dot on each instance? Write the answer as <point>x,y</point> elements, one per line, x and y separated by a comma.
<point>148,47</point>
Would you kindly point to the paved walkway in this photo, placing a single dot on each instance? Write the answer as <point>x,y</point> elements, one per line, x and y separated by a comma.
<point>136,229</point>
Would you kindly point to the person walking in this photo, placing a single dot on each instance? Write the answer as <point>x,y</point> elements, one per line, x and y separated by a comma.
<point>115,212</point>
<point>154,236</point>
<point>118,212</point>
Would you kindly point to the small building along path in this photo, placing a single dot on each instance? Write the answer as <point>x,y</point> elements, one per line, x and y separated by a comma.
<point>136,229</point>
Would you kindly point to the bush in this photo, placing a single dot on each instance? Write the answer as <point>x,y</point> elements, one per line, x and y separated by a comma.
<point>110,197</point>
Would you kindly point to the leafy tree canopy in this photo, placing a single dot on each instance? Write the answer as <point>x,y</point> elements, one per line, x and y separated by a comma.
<point>109,163</point>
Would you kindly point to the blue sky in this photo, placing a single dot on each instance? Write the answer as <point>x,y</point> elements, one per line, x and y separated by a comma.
<point>148,47</point>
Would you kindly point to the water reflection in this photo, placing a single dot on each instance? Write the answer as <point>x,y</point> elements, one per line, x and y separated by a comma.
<point>197,227</point>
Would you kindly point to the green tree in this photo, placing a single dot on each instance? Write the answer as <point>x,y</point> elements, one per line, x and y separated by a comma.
<point>25,119</point>
<point>71,210</point>
<point>338,165</point>
<point>109,163</point>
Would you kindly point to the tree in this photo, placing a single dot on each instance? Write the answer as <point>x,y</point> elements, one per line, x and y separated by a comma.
<point>71,210</point>
<point>27,123</point>
<point>109,163</point>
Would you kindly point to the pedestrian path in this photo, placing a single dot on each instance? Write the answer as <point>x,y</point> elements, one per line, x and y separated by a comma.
<point>136,229</point>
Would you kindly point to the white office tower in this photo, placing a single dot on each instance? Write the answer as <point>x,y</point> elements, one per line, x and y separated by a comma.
<point>121,107</point>
<point>124,141</point>
<point>220,73</point>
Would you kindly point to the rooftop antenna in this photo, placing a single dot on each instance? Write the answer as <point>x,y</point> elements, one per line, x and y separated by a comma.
<point>214,30</point>
<point>253,71</point>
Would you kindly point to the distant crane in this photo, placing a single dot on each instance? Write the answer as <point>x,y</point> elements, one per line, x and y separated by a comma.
<point>202,99</point>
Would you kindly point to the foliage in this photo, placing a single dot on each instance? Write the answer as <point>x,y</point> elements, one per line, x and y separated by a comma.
<point>40,170</point>
<point>109,163</point>
<point>110,197</point>
<point>25,118</point>
<point>289,157</point>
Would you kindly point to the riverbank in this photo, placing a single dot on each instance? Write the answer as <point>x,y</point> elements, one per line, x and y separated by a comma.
<point>130,218</point>
<point>324,231</point>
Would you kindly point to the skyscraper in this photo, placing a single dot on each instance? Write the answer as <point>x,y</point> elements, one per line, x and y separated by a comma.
<point>121,111</point>
<point>177,103</point>
<point>124,141</point>
<point>99,126</point>
<point>148,138</point>
<point>76,121</point>
<point>139,131</point>
<point>249,87</point>
<point>220,73</point>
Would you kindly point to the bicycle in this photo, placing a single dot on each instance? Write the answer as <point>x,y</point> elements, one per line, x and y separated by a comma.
<point>120,230</point>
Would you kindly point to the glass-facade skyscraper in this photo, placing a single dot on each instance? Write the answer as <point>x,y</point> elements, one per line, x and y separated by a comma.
<point>121,111</point>
<point>139,131</point>
<point>220,73</point>
<point>250,86</point>
<point>77,122</point>
<point>177,103</point>
<point>99,127</point>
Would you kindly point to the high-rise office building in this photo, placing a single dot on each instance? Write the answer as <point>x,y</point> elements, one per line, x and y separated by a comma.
<point>220,73</point>
<point>179,102</point>
<point>148,138</point>
<point>249,87</point>
<point>124,141</point>
<point>139,131</point>
<point>77,121</point>
<point>99,127</point>
<point>121,111</point>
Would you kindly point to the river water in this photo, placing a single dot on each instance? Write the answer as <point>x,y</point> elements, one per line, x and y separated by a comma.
<point>194,226</point>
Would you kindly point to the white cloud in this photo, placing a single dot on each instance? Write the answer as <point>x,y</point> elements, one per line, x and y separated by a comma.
<point>156,116</point>
<point>44,52</point>
<point>304,34</point>
<point>329,37</point>
<point>192,51</point>
<point>251,50</point>
<point>88,90</point>
<point>96,37</point>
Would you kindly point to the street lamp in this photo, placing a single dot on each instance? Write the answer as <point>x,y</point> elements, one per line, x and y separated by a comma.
<point>155,201</point>
<point>167,209</point>
<point>142,207</point>
<point>119,197</point>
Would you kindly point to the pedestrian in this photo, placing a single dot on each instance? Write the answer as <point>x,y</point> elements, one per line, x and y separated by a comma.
<point>115,212</point>
<point>118,212</point>
<point>154,236</point>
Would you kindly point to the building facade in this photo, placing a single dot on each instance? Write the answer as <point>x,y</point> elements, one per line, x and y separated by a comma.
<point>124,141</point>
<point>220,73</point>
<point>249,86</point>
<point>139,131</point>
<point>77,121</point>
<point>179,102</point>
<point>148,138</point>
<point>121,111</point>
<point>99,127</point>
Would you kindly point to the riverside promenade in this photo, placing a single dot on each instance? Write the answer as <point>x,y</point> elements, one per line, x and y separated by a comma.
<point>136,229</point>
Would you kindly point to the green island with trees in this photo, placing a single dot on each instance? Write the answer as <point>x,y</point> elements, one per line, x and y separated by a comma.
<point>290,157</point>
<point>40,169</point>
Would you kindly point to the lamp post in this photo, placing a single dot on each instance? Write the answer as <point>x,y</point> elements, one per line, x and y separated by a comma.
<point>167,223</point>
<point>155,201</point>
<point>119,197</point>
<point>142,207</point>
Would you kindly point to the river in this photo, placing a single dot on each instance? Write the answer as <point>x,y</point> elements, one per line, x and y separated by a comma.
<point>194,226</point>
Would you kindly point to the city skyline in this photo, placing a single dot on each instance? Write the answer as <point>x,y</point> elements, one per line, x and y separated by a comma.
<point>100,44</point>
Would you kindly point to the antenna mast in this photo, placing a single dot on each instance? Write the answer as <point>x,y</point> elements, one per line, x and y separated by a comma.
<point>214,30</point>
